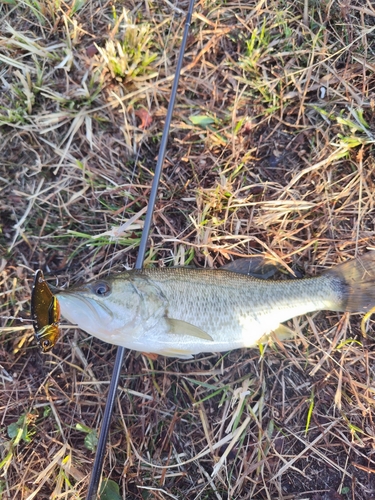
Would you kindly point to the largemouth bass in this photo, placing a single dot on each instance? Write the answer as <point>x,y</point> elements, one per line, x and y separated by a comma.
<point>184,311</point>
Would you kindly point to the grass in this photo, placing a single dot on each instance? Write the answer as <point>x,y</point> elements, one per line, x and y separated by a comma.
<point>271,151</point>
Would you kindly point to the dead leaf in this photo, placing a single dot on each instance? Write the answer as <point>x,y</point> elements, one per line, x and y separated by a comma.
<point>91,50</point>
<point>145,117</point>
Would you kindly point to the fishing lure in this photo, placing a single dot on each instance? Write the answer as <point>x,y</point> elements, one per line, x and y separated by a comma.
<point>45,312</point>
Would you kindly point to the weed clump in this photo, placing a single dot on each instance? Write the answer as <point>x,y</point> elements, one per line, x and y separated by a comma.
<point>130,58</point>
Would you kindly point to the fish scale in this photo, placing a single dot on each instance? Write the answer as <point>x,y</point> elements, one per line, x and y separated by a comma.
<point>223,303</point>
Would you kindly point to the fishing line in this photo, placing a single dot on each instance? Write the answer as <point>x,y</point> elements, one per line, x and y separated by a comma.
<point>103,436</point>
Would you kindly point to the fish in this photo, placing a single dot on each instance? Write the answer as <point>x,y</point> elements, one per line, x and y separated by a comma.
<point>45,313</point>
<point>182,311</point>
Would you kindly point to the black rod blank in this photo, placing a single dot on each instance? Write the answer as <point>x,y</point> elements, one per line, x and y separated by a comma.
<point>103,437</point>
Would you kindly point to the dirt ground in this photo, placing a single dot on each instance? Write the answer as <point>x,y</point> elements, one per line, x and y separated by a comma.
<point>271,152</point>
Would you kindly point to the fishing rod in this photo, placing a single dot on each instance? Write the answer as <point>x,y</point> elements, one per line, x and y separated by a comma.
<point>103,436</point>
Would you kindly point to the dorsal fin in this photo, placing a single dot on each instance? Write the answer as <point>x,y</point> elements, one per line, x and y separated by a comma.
<point>257,267</point>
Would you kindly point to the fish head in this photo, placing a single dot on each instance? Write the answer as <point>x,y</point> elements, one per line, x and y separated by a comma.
<point>101,307</point>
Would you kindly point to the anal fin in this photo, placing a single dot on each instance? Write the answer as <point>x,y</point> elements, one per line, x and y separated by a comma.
<point>282,332</point>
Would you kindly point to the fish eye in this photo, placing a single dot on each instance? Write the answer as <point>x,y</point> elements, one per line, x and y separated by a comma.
<point>102,289</point>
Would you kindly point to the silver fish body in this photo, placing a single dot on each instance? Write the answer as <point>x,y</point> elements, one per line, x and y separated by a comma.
<point>184,311</point>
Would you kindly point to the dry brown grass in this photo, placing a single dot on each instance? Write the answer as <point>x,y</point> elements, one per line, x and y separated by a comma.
<point>285,168</point>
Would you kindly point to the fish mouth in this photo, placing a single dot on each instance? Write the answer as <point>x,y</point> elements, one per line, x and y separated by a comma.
<point>84,311</point>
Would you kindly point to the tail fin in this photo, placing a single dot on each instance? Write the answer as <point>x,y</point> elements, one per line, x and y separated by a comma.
<point>358,283</point>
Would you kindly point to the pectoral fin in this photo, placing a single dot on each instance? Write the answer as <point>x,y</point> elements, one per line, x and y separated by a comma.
<point>176,353</point>
<point>180,327</point>
<point>172,353</point>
